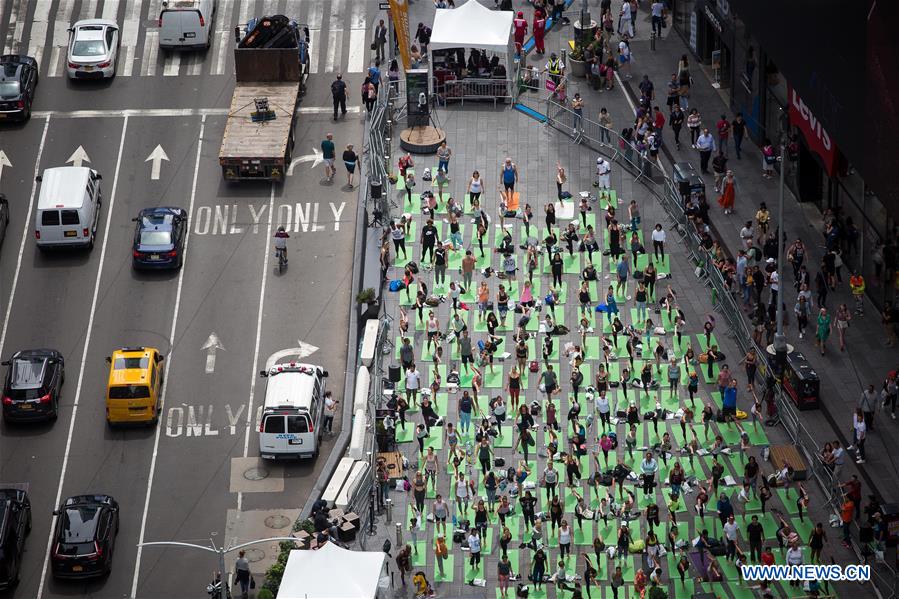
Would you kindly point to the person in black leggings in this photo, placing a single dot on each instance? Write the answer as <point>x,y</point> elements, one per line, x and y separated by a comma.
<point>556,265</point>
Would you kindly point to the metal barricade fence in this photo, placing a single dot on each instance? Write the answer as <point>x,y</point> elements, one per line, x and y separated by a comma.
<point>477,89</point>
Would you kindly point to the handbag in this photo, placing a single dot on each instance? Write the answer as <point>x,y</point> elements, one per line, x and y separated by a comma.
<point>252,582</point>
<point>374,46</point>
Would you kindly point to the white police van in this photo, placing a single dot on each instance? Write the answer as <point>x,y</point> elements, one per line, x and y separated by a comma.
<point>293,411</point>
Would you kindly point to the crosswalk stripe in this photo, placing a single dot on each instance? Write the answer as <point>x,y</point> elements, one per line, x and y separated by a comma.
<point>60,37</point>
<point>315,38</point>
<point>335,50</point>
<point>17,16</point>
<point>40,24</point>
<point>245,7</point>
<point>314,20</point>
<point>357,17</point>
<point>356,58</point>
<point>111,10</point>
<point>88,9</point>
<point>130,33</point>
<point>221,46</point>
<point>172,64</point>
<point>151,49</point>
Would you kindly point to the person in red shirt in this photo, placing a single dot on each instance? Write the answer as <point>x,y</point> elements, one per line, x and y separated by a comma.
<point>767,557</point>
<point>539,30</point>
<point>723,126</point>
<point>659,120</point>
<point>521,29</point>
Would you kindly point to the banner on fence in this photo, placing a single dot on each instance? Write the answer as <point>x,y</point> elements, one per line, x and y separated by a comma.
<point>399,13</point>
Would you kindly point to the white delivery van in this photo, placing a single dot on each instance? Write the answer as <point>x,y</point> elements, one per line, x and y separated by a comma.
<point>68,208</point>
<point>186,23</point>
<point>293,411</point>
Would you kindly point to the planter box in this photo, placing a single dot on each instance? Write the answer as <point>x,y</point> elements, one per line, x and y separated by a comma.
<point>577,68</point>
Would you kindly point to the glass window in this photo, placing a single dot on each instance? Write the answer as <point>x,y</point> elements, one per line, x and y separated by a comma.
<point>9,89</point>
<point>273,424</point>
<point>297,424</point>
<point>89,48</point>
<point>50,217</point>
<point>155,238</point>
<point>70,217</point>
<point>126,363</point>
<point>129,392</point>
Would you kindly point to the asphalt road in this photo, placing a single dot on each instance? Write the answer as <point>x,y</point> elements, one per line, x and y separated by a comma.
<point>185,480</point>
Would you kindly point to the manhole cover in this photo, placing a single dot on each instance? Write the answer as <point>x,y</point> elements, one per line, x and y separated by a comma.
<point>255,474</point>
<point>255,555</point>
<point>278,521</point>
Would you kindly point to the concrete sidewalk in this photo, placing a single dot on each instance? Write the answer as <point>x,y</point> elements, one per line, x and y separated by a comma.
<point>843,375</point>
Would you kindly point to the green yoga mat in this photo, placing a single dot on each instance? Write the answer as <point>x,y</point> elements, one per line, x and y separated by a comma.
<point>448,569</point>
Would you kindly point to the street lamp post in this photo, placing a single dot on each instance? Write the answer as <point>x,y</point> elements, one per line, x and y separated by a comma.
<point>221,551</point>
<point>780,340</point>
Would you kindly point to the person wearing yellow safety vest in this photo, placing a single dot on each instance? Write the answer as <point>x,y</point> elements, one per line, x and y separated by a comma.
<point>857,286</point>
<point>555,67</point>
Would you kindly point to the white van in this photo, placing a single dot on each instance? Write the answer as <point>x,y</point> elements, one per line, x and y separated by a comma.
<point>68,208</point>
<point>186,23</point>
<point>293,411</point>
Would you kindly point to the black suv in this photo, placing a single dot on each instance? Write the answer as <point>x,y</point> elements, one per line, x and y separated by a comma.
<point>86,528</point>
<point>34,380</point>
<point>15,524</point>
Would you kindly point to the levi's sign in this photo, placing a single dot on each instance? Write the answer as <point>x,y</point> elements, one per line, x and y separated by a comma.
<point>815,135</point>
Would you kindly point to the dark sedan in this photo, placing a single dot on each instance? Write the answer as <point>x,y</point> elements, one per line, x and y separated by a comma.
<point>18,80</point>
<point>159,238</point>
<point>33,385</point>
<point>84,541</point>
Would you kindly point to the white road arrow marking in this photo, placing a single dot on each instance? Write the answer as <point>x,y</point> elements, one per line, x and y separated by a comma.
<point>212,344</point>
<point>315,157</point>
<point>304,350</point>
<point>157,156</point>
<point>4,161</point>
<point>78,157</point>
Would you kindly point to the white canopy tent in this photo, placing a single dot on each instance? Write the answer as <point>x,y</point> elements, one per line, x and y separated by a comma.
<point>473,25</point>
<point>332,573</point>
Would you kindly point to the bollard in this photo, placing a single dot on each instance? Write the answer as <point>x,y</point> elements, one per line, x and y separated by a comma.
<point>399,536</point>
<point>652,41</point>
<point>389,508</point>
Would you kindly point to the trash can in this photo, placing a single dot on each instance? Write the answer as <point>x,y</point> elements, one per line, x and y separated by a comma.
<point>687,180</point>
<point>891,521</point>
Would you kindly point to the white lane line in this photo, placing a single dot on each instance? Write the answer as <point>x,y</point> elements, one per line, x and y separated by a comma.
<point>254,373</point>
<point>168,363</point>
<point>165,112</point>
<point>335,51</point>
<point>87,342</point>
<point>88,9</point>
<point>355,62</point>
<point>40,25</point>
<point>222,46</point>
<point>60,37</point>
<point>172,62</point>
<point>111,9</point>
<point>25,234</point>
<point>130,33</point>
<point>315,39</point>
<point>151,49</point>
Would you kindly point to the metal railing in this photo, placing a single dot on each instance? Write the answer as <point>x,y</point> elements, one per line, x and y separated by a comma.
<point>636,161</point>
<point>378,152</point>
<point>495,90</point>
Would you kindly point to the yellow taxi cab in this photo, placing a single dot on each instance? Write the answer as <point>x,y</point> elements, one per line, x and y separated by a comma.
<point>135,384</point>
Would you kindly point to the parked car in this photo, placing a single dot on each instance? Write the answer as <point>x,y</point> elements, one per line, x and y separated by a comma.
<point>93,49</point>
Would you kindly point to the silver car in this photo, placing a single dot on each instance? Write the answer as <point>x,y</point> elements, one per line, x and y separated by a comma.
<point>93,49</point>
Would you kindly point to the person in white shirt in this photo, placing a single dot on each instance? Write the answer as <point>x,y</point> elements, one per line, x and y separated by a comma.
<point>603,174</point>
<point>413,382</point>
<point>657,11</point>
<point>839,459</point>
<point>658,242</point>
<point>474,546</point>
<point>626,20</point>
<point>774,283</point>
<point>730,535</point>
<point>330,411</point>
<point>746,234</point>
<point>794,558</point>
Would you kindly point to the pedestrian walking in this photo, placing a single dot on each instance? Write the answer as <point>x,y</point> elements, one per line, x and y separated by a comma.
<point>738,130</point>
<point>823,329</point>
<point>723,129</point>
<point>350,158</point>
<point>694,122</point>
<point>705,143</point>
<point>859,435</point>
<point>328,155</point>
<point>867,403</point>
<point>676,122</point>
<point>605,122</point>
<point>539,28</point>
<point>369,95</point>
<point>728,192</point>
<point>520,30</point>
<point>338,95</point>
<point>380,40</point>
<point>242,573</point>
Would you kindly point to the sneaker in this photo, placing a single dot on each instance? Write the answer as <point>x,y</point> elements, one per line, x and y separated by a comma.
<point>859,461</point>
<point>893,416</point>
<point>800,335</point>
<point>850,447</point>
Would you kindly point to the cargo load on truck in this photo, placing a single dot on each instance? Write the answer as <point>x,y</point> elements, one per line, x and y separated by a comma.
<point>271,61</point>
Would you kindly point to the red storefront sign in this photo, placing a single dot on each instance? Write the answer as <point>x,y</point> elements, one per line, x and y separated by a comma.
<point>815,135</point>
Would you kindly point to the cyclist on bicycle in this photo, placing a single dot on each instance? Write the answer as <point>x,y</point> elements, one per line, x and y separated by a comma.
<point>281,238</point>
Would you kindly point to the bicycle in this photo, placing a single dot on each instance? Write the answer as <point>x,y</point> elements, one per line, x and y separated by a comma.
<point>282,259</point>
